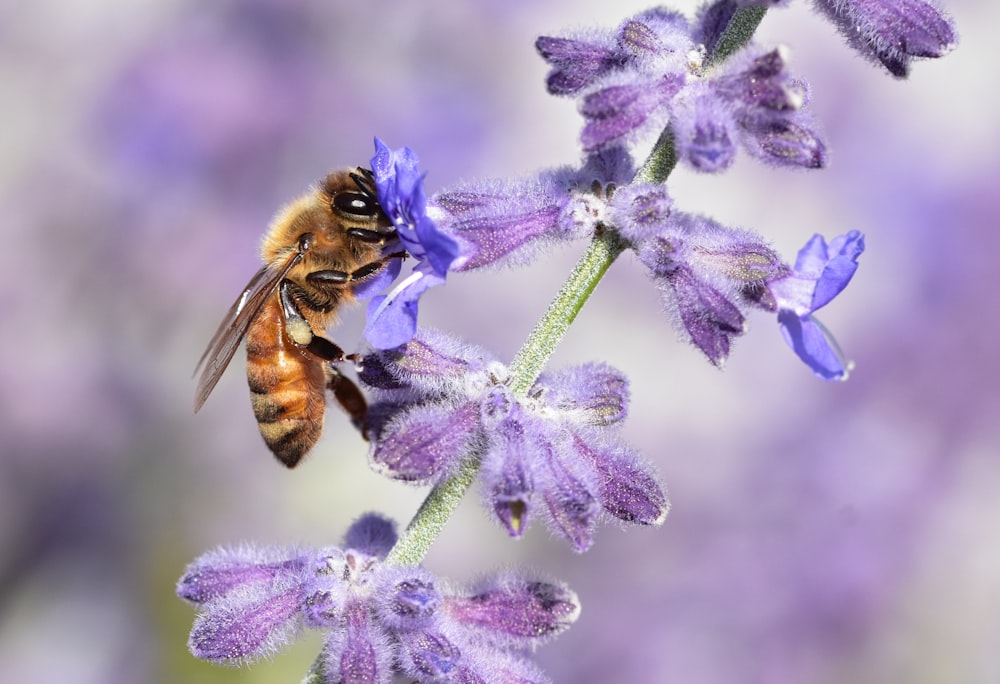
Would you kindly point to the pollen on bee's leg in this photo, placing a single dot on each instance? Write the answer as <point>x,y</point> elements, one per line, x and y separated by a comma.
<point>300,332</point>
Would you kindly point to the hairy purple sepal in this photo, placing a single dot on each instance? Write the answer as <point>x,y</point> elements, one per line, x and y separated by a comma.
<point>709,318</point>
<point>324,592</point>
<point>595,392</point>
<point>512,610</point>
<point>498,219</point>
<point>427,363</point>
<point>576,63</point>
<point>704,131</point>
<point>218,572</point>
<point>358,652</point>
<point>768,106</point>
<point>248,622</point>
<point>372,534</point>
<point>506,475</point>
<point>615,112</point>
<point>429,657</point>
<point>245,631</point>
<point>639,211</point>
<point>569,497</point>
<point>406,599</point>
<point>892,32</point>
<point>627,489</point>
<point>786,143</point>
<point>426,442</point>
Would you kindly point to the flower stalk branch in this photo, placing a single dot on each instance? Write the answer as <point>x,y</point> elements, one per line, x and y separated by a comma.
<point>434,512</point>
<point>738,33</point>
<point>444,498</point>
<point>606,246</point>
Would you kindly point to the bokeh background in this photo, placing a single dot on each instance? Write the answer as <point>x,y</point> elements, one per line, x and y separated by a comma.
<point>819,533</point>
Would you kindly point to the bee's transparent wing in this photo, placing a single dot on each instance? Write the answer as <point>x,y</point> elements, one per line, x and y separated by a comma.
<point>234,326</point>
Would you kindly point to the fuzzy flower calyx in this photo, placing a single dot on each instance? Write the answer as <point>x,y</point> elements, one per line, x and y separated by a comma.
<point>705,273</point>
<point>506,221</point>
<point>378,620</point>
<point>709,276</point>
<point>554,453</point>
<point>651,73</point>
<point>892,32</point>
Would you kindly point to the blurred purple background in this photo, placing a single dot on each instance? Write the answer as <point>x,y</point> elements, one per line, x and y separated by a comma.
<point>819,533</point>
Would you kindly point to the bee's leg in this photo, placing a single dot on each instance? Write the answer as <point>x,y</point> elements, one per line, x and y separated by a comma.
<point>350,398</point>
<point>347,394</point>
<point>336,278</point>
<point>301,332</point>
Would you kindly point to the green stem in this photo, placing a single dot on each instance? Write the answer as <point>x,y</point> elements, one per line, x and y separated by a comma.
<point>434,512</point>
<point>738,33</point>
<point>549,331</point>
<point>661,160</point>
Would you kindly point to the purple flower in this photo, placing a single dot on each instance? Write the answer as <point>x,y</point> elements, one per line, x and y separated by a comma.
<point>392,318</point>
<point>768,110</point>
<point>705,132</point>
<point>554,452</point>
<point>821,273</point>
<point>378,620</point>
<point>507,222</point>
<point>653,75</point>
<point>892,32</point>
<point>577,62</point>
<point>624,81</point>
<point>706,273</point>
<point>709,274</point>
<point>616,112</point>
<point>639,211</point>
<point>512,611</point>
<point>254,599</point>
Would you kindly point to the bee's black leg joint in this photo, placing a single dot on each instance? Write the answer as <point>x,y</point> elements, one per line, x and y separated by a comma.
<point>350,398</point>
<point>328,277</point>
<point>325,349</point>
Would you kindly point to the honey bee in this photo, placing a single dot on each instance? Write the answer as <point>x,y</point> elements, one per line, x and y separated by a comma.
<point>316,250</point>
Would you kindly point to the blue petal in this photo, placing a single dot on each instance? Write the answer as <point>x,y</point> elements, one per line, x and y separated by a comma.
<point>392,318</point>
<point>367,288</point>
<point>810,341</point>
<point>839,269</point>
<point>401,193</point>
<point>396,173</point>
<point>440,250</point>
<point>812,258</point>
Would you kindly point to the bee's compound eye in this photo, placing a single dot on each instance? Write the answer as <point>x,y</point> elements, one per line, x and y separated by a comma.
<point>355,204</point>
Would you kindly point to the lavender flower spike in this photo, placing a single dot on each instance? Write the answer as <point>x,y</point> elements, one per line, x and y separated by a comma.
<point>821,273</point>
<point>892,32</point>
<point>379,620</point>
<point>392,318</point>
<point>704,271</point>
<point>553,453</point>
